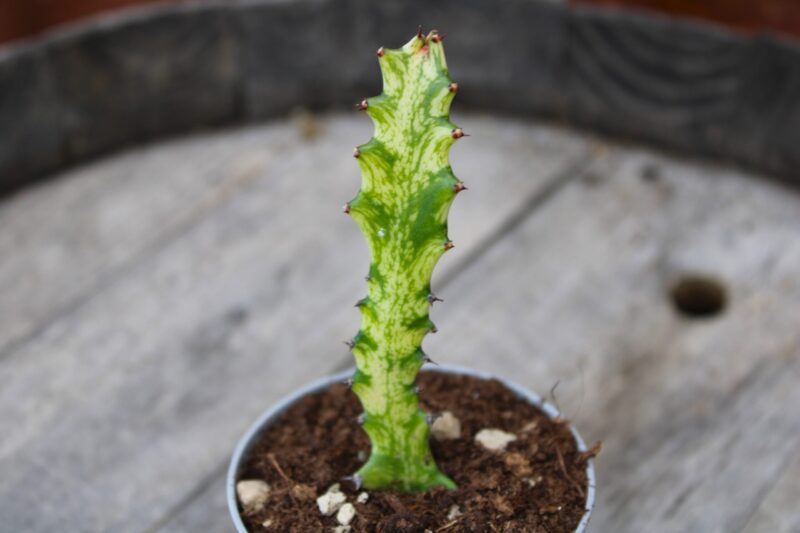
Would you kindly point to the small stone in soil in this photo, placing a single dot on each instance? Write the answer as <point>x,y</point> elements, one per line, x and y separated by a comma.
<point>342,529</point>
<point>346,514</point>
<point>494,439</point>
<point>267,523</point>
<point>446,427</point>
<point>363,497</point>
<point>253,494</point>
<point>331,501</point>
<point>303,492</point>
<point>532,482</point>
<point>454,512</point>
<point>518,464</point>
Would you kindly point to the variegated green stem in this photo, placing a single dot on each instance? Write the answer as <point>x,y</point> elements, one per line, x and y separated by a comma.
<point>402,207</point>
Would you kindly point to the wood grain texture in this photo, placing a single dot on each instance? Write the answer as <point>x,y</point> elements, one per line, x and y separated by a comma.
<point>778,513</point>
<point>694,88</point>
<point>62,242</point>
<point>30,133</point>
<point>139,77</point>
<point>145,387</point>
<point>695,415</point>
<point>132,77</point>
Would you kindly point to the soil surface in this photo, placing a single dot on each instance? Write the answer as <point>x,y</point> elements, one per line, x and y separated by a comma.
<point>538,483</point>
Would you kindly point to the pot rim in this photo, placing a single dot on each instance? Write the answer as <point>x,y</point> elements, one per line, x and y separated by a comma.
<point>244,444</point>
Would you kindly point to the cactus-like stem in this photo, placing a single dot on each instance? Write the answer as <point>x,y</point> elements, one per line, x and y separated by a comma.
<point>402,208</point>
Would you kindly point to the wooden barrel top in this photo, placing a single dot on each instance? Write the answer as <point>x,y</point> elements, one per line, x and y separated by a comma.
<point>167,283</point>
<point>153,303</point>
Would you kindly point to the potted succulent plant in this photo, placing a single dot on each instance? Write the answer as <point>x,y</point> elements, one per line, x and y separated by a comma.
<point>448,449</point>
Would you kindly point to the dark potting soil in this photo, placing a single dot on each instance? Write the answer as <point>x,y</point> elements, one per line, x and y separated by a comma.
<point>538,483</point>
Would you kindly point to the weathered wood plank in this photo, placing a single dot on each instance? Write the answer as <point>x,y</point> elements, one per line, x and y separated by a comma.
<point>133,76</point>
<point>138,76</point>
<point>62,242</point>
<point>693,87</point>
<point>695,415</point>
<point>30,136</point>
<point>144,388</point>
<point>779,512</point>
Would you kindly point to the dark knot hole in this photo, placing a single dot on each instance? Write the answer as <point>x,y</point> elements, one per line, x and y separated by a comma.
<point>698,296</point>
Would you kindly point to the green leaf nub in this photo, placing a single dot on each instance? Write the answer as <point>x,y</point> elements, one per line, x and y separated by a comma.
<point>406,191</point>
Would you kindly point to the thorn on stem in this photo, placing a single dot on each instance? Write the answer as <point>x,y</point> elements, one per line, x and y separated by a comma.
<point>350,343</point>
<point>430,361</point>
<point>380,52</point>
<point>420,35</point>
<point>458,187</point>
<point>362,105</point>
<point>457,133</point>
<point>433,329</point>
<point>453,87</point>
<point>433,298</point>
<point>361,302</point>
<point>346,208</point>
<point>361,419</point>
<point>448,245</point>
<point>356,152</point>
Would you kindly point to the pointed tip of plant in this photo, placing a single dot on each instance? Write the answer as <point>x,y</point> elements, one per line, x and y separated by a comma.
<point>453,87</point>
<point>459,186</point>
<point>449,245</point>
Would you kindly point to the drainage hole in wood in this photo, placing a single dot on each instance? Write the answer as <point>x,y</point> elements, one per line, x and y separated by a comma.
<point>698,296</point>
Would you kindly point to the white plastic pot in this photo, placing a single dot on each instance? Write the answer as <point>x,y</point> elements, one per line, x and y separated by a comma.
<point>254,433</point>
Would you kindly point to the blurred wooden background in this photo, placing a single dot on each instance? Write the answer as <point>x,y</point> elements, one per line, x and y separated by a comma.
<point>25,18</point>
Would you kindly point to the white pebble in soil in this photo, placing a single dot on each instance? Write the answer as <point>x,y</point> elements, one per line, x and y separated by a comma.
<point>454,512</point>
<point>494,440</point>
<point>266,524</point>
<point>253,494</point>
<point>446,427</point>
<point>346,514</point>
<point>363,497</point>
<point>331,501</point>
